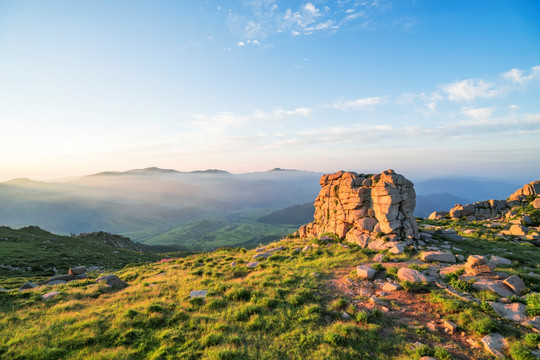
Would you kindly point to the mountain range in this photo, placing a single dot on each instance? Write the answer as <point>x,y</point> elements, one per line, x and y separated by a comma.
<point>199,210</point>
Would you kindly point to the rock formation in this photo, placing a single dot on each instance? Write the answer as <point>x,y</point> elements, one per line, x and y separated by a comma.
<point>361,207</point>
<point>495,209</point>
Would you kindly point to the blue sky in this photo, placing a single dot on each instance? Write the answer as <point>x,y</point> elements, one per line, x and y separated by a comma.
<point>429,88</point>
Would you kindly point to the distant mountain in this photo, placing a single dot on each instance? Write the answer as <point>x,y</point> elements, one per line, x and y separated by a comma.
<point>426,204</point>
<point>470,189</point>
<point>295,215</point>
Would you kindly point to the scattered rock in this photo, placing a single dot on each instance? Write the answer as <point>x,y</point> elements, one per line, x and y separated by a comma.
<point>497,261</point>
<point>515,283</point>
<point>28,285</point>
<point>411,275</point>
<point>365,272</point>
<point>345,316</point>
<point>476,264</point>
<point>494,344</point>
<point>449,269</point>
<point>252,265</point>
<point>77,270</point>
<point>198,294</point>
<point>391,287</point>
<point>56,282</point>
<point>497,287</point>
<point>514,311</point>
<point>438,215</point>
<point>378,258</point>
<point>431,256</point>
<point>279,248</point>
<point>427,358</point>
<point>261,256</point>
<point>50,295</point>
<point>519,230</point>
<point>112,280</point>
<point>449,326</point>
<point>233,264</point>
<point>306,248</point>
<point>398,249</point>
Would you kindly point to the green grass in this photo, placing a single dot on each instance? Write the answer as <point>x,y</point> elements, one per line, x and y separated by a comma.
<point>34,253</point>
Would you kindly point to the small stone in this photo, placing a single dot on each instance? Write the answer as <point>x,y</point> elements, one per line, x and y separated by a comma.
<point>494,344</point>
<point>252,265</point>
<point>514,311</point>
<point>391,287</point>
<point>518,230</point>
<point>411,275</point>
<point>77,270</point>
<point>497,287</point>
<point>261,256</point>
<point>345,316</point>
<point>449,326</point>
<point>198,294</point>
<point>476,260</point>
<point>233,264</point>
<point>515,283</point>
<point>28,285</point>
<point>50,295</point>
<point>56,282</point>
<point>280,248</point>
<point>112,280</point>
<point>497,261</point>
<point>398,249</point>
<point>427,358</point>
<point>432,326</point>
<point>365,272</point>
<point>306,248</point>
<point>431,256</point>
<point>378,258</point>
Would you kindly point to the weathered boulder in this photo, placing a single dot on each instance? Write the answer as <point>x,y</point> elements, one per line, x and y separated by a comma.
<point>411,275</point>
<point>515,311</point>
<point>264,255</point>
<point>198,294</point>
<point>112,280</point>
<point>438,215</point>
<point>252,265</point>
<point>431,256</point>
<point>515,283</point>
<point>518,230</point>
<point>476,265</point>
<point>50,295</point>
<point>28,285</point>
<point>494,344</point>
<point>496,261</point>
<point>530,189</point>
<point>359,207</point>
<point>496,286</point>
<point>365,272</point>
<point>77,270</point>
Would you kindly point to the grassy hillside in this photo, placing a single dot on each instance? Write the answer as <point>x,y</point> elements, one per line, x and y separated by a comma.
<point>293,305</point>
<point>33,253</point>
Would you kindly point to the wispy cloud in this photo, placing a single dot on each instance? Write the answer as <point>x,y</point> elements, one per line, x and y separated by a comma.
<point>362,103</point>
<point>260,19</point>
<point>470,89</point>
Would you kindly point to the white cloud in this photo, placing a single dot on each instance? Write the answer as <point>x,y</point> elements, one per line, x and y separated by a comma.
<point>478,113</point>
<point>470,89</point>
<point>361,103</point>
<point>240,44</point>
<point>518,76</point>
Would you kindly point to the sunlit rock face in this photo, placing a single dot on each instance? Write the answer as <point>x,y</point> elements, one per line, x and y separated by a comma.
<point>361,207</point>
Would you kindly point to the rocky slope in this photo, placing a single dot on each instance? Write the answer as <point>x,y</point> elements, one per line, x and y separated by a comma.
<point>529,194</point>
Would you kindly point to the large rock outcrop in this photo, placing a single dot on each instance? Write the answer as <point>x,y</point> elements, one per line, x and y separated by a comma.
<point>361,208</point>
<point>496,209</point>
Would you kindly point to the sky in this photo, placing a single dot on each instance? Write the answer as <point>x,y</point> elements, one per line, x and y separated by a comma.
<point>427,88</point>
